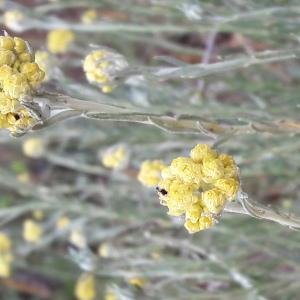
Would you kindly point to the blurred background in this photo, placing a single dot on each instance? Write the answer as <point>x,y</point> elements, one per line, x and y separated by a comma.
<point>68,213</point>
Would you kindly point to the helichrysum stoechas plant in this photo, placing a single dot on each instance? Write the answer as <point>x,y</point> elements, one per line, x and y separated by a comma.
<point>33,147</point>
<point>89,16</point>
<point>115,157</point>
<point>199,186</point>
<point>20,76</point>
<point>86,287</point>
<point>59,40</point>
<point>149,174</point>
<point>32,231</point>
<point>102,66</point>
<point>6,256</point>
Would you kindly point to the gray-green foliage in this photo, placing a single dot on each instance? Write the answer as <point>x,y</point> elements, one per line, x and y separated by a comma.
<point>251,91</point>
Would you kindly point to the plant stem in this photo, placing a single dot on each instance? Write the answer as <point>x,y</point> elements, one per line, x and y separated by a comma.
<point>264,213</point>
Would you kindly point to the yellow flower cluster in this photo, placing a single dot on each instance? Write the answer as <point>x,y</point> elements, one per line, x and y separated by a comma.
<point>102,66</point>
<point>19,78</point>
<point>89,16</point>
<point>149,174</point>
<point>113,158</point>
<point>32,231</point>
<point>86,287</point>
<point>6,256</point>
<point>59,40</point>
<point>199,186</point>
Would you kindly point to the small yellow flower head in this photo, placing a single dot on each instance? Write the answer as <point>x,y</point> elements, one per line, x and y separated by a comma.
<point>38,215</point>
<point>102,66</point>
<point>187,170</point>
<point>33,147</point>
<point>199,186</point>
<point>7,43</point>
<point>229,186</point>
<point>5,243</point>
<point>59,40</point>
<point>5,264</point>
<point>5,268</point>
<point>230,168</point>
<point>201,151</point>
<point>149,174</point>
<point>20,76</point>
<point>16,85</point>
<point>20,121</point>
<point>32,231</point>
<point>12,19</point>
<point>20,46</point>
<point>104,250</point>
<point>62,223</point>
<point>114,157</point>
<point>78,239</point>
<point>212,169</point>
<point>43,59</point>
<point>137,282</point>
<point>6,256</point>
<point>86,287</point>
<point>5,72</point>
<point>203,223</point>
<point>213,200</point>
<point>194,211</point>
<point>89,16</point>
<point>7,104</point>
<point>176,195</point>
<point>33,73</point>
<point>3,121</point>
<point>7,57</point>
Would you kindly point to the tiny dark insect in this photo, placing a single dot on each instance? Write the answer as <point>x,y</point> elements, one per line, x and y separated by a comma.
<point>162,191</point>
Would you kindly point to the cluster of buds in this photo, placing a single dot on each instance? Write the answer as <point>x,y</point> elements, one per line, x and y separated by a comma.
<point>6,256</point>
<point>102,66</point>
<point>199,186</point>
<point>20,76</point>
